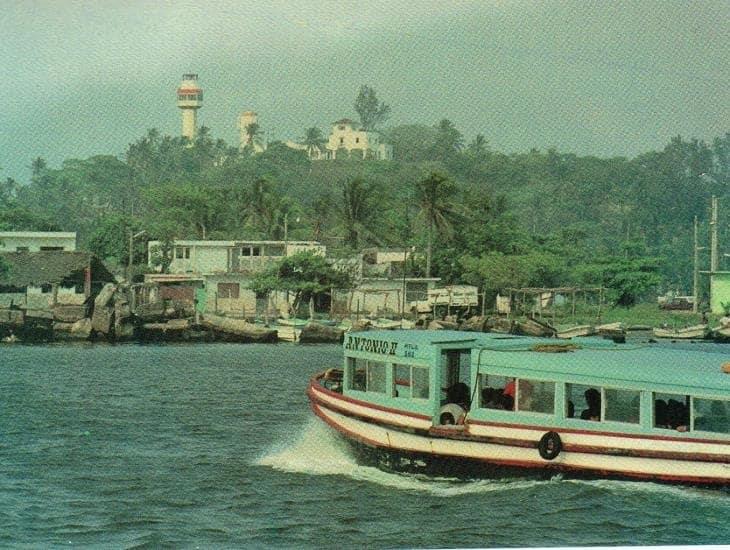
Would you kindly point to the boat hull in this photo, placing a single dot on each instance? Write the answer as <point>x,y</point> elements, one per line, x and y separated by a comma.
<point>400,441</point>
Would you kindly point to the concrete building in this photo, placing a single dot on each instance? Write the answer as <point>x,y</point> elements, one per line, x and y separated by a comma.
<point>35,241</point>
<point>344,138</point>
<point>246,119</point>
<point>42,280</point>
<point>384,286</point>
<point>189,100</point>
<point>222,270</point>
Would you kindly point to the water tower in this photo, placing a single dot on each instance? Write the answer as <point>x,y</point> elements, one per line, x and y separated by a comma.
<point>189,100</point>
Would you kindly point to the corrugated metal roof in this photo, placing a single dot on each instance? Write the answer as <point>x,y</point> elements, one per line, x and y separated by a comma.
<point>51,266</point>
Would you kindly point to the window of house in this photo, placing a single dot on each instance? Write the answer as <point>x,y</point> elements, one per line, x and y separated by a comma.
<point>357,140</point>
<point>671,411</point>
<point>496,392</point>
<point>245,251</point>
<point>182,252</point>
<point>342,140</point>
<point>622,405</point>
<point>46,289</point>
<point>357,373</point>
<point>375,377</point>
<point>711,415</point>
<point>410,381</point>
<point>228,290</point>
<point>21,249</point>
<point>255,251</point>
<point>535,396</point>
<point>51,248</point>
<point>583,402</point>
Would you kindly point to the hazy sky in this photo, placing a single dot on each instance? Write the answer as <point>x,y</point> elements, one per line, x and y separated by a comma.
<point>602,78</point>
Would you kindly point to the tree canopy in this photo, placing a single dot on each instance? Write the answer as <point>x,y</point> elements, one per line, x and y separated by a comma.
<point>477,215</point>
<point>371,112</point>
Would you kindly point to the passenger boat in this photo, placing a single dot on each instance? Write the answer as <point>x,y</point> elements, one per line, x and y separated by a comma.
<point>483,405</point>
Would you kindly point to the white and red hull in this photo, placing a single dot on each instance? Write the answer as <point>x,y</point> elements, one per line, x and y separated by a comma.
<point>488,447</point>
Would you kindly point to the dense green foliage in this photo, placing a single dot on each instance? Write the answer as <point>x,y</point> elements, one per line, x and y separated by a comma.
<point>304,275</point>
<point>538,218</point>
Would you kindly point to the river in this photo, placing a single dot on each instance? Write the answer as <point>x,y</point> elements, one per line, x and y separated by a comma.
<point>214,445</point>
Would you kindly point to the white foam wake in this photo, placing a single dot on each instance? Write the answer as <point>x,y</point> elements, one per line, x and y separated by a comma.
<point>320,451</point>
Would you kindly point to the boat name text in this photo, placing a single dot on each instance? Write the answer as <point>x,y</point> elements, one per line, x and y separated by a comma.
<point>357,343</point>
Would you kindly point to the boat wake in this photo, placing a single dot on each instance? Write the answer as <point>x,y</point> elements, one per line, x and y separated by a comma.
<point>320,451</point>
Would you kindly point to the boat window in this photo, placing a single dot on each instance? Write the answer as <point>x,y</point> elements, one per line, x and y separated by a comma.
<point>583,402</point>
<point>357,373</point>
<point>711,415</point>
<point>535,396</point>
<point>410,381</point>
<point>622,405</point>
<point>496,392</point>
<point>671,411</point>
<point>402,380</point>
<point>375,376</point>
<point>455,376</point>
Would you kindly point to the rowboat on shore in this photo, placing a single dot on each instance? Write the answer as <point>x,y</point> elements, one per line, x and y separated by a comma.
<point>483,405</point>
<point>696,332</point>
<point>575,331</point>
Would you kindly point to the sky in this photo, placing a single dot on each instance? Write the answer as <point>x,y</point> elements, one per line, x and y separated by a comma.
<point>588,77</point>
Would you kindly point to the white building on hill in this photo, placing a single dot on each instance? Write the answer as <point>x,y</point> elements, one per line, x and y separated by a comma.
<point>345,140</point>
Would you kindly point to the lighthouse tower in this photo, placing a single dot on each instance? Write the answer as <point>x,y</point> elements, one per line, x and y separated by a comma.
<point>189,100</point>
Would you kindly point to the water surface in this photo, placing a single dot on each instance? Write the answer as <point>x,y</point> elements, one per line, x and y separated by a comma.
<point>214,445</point>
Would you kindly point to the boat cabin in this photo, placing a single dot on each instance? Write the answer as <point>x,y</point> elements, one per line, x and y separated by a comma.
<point>459,378</point>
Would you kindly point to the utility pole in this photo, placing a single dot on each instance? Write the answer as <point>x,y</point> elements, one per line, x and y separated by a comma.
<point>132,236</point>
<point>696,270</point>
<point>713,237</point>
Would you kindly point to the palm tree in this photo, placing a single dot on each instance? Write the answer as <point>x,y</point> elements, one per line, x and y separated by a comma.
<point>313,140</point>
<point>434,195</point>
<point>262,210</point>
<point>356,211</point>
<point>254,137</point>
<point>479,146</point>
<point>449,140</point>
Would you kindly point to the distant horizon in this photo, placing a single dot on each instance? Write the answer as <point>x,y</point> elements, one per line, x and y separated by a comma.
<point>588,78</point>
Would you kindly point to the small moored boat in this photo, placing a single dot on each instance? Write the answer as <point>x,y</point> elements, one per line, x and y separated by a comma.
<point>483,405</point>
<point>696,332</point>
<point>576,331</point>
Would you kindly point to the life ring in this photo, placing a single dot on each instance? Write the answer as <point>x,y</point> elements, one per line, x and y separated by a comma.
<point>550,445</point>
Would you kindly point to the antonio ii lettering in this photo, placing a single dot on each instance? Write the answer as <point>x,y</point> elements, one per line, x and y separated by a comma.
<point>358,343</point>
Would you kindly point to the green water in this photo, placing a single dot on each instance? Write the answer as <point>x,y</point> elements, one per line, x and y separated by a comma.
<point>214,446</point>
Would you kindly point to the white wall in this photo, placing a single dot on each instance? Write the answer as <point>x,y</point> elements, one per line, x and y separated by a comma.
<point>34,240</point>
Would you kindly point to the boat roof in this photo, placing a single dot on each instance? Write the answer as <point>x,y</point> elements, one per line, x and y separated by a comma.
<point>595,357</point>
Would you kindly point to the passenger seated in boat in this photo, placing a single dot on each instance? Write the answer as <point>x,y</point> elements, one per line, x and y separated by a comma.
<point>593,400</point>
<point>492,398</point>
<point>451,414</point>
<point>459,394</point>
<point>677,416</point>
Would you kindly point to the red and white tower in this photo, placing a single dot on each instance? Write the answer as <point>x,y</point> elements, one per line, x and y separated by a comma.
<point>189,100</point>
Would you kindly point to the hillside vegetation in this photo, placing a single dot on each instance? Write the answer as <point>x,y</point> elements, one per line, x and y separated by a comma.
<point>539,218</point>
